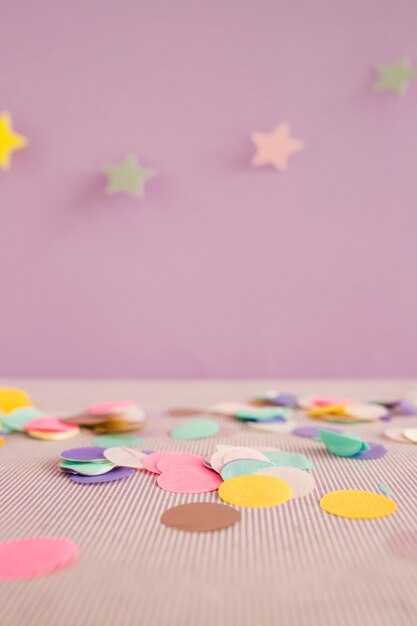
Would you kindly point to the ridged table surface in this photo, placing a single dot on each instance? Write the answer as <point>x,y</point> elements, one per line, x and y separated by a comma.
<point>289,565</point>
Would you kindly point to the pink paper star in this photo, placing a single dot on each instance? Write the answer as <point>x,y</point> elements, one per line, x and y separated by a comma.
<point>275,148</point>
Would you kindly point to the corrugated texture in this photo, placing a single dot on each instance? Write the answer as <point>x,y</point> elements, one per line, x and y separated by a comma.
<point>292,565</point>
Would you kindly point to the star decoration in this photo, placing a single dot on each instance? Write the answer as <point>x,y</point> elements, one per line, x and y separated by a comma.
<point>275,148</point>
<point>128,176</point>
<point>9,141</point>
<point>395,77</point>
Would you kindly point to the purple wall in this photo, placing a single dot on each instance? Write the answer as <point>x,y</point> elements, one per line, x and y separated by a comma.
<point>221,270</point>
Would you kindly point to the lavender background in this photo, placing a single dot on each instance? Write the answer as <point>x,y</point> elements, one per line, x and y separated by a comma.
<point>221,270</point>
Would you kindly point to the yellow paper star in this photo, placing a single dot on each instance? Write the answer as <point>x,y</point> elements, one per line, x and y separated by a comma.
<point>275,148</point>
<point>9,140</point>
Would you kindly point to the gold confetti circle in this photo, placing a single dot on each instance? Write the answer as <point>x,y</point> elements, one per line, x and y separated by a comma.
<point>255,491</point>
<point>356,504</point>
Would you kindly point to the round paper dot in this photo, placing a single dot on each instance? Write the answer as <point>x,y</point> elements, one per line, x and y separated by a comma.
<point>90,468</point>
<point>115,441</point>
<point>53,436</point>
<point>11,399</point>
<point>171,461</point>
<point>35,556</point>
<point>355,504</point>
<point>189,479</point>
<point>289,459</point>
<point>16,420</point>
<point>366,411</point>
<point>301,482</point>
<point>108,408</point>
<point>374,451</point>
<point>255,491</point>
<point>49,424</point>
<point>243,467</point>
<point>243,453</point>
<point>200,516</point>
<point>195,429</point>
<point>117,473</point>
<point>396,434</point>
<point>83,454</point>
<point>150,462</point>
<point>341,444</point>
<point>262,413</point>
<point>125,457</point>
<point>312,432</point>
<point>411,434</point>
<point>272,427</point>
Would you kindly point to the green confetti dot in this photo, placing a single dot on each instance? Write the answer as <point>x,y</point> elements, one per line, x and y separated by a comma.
<point>195,429</point>
<point>289,459</point>
<point>117,440</point>
<point>342,444</point>
<point>90,468</point>
<point>16,420</point>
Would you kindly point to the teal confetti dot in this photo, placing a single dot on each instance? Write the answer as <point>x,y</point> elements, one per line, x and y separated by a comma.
<point>289,459</point>
<point>16,420</point>
<point>117,440</point>
<point>342,444</point>
<point>195,429</point>
<point>243,467</point>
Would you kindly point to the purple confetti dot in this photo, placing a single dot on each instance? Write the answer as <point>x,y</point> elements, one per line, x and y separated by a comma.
<point>83,454</point>
<point>375,451</point>
<point>312,432</point>
<point>115,474</point>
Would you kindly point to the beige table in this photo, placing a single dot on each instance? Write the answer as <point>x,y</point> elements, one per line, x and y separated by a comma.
<point>289,565</point>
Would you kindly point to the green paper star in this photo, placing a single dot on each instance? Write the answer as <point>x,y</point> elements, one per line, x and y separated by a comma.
<point>128,176</point>
<point>395,77</point>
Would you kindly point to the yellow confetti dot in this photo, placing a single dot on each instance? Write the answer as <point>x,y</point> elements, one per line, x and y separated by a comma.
<point>333,409</point>
<point>11,399</point>
<point>52,436</point>
<point>411,434</point>
<point>356,504</point>
<point>255,491</point>
<point>1,442</point>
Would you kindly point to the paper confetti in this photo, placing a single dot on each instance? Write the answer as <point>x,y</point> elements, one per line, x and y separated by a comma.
<point>275,148</point>
<point>128,176</point>
<point>255,491</point>
<point>189,479</point>
<point>16,419</point>
<point>196,429</point>
<point>399,434</point>
<point>342,444</point>
<point>125,457</point>
<point>200,516</point>
<point>9,142</point>
<point>385,490</point>
<point>35,556</point>
<point>110,417</point>
<point>356,504</point>
<point>395,77</point>
<point>301,482</point>
<point>11,399</point>
<point>118,473</point>
<point>117,440</point>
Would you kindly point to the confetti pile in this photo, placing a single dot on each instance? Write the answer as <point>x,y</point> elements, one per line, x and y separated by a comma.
<point>111,417</point>
<point>89,466</point>
<point>243,476</point>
